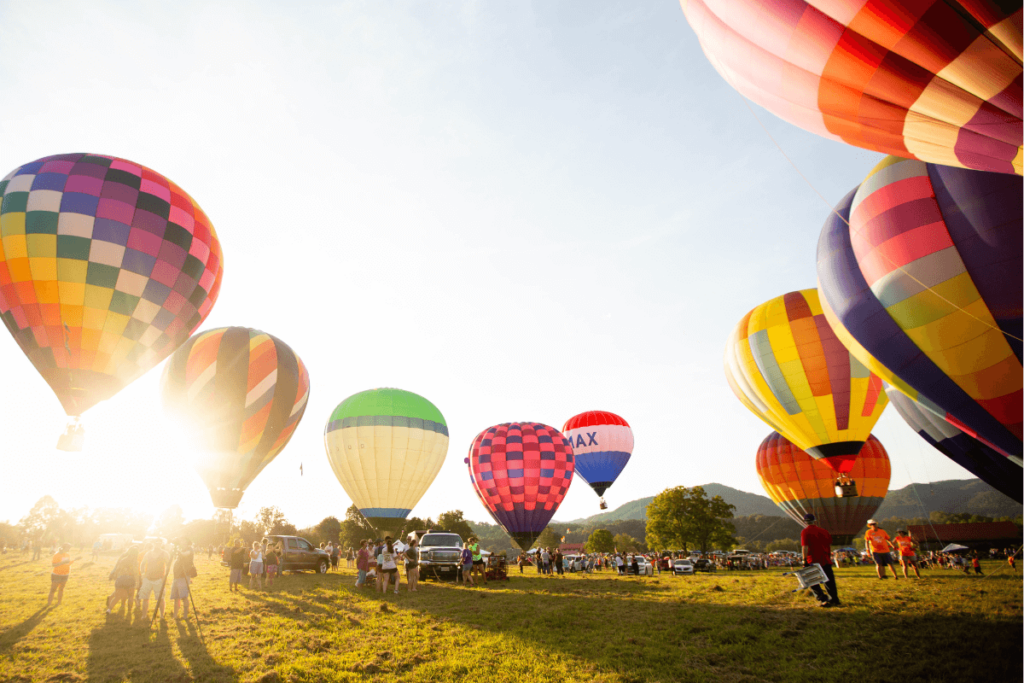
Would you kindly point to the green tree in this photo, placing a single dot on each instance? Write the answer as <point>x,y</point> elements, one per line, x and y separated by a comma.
<point>268,519</point>
<point>547,539</point>
<point>600,541</point>
<point>682,518</point>
<point>329,529</point>
<point>41,520</point>
<point>354,528</point>
<point>624,543</point>
<point>454,522</point>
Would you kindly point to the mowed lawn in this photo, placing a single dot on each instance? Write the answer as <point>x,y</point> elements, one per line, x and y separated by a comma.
<point>726,627</point>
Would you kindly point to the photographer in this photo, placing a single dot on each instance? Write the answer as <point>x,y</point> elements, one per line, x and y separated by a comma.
<point>184,570</point>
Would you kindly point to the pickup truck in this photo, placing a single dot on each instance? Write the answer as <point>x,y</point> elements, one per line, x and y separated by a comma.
<point>440,553</point>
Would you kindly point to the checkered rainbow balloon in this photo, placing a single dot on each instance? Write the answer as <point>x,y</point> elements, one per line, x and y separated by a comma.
<point>521,472</point>
<point>106,267</point>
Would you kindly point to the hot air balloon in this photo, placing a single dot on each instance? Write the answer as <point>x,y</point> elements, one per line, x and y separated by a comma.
<point>801,484</point>
<point>385,447</point>
<point>923,285</point>
<point>784,362</point>
<point>106,267</point>
<point>935,81</point>
<point>240,393</point>
<point>521,471</point>
<point>989,465</point>
<point>601,443</point>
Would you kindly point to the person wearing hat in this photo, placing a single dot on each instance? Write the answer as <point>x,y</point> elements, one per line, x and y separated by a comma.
<point>877,541</point>
<point>816,547</point>
<point>908,557</point>
<point>61,570</point>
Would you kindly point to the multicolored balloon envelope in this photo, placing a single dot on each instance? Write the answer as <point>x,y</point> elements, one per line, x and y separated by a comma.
<point>385,447</point>
<point>986,463</point>
<point>920,273</point>
<point>521,472</point>
<point>601,443</point>
<point>786,365</point>
<point>936,80</point>
<point>241,393</point>
<point>799,483</point>
<point>106,267</point>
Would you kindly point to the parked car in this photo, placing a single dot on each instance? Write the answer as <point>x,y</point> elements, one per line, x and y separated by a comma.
<point>297,554</point>
<point>706,566</point>
<point>641,563</point>
<point>440,554</point>
<point>682,567</point>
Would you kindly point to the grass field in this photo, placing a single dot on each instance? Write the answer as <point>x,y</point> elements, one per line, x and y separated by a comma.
<point>725,627</point>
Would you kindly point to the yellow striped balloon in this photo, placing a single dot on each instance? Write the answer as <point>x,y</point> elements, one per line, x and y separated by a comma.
<point>787,367</point>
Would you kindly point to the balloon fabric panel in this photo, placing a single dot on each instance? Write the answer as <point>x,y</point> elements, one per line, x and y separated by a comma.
<point>602,443</point>
<point>522,472</point>
<point>105,268</point>
<point>984,462</point>
<point>785,361</point>
<point>936,80</point>
<point>905,287</point>
<point>243,392</point>
<point>800,484</point>
<point>386,446</point>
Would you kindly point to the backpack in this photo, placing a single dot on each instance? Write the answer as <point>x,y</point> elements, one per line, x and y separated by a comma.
<point>155,569</point>
<point>389,561</point>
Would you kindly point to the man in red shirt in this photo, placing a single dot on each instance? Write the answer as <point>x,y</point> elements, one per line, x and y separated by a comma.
<point>816,546</point>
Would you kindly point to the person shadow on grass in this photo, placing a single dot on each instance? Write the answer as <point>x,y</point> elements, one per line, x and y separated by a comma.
<point>122,651</point>
<point>15,633</point>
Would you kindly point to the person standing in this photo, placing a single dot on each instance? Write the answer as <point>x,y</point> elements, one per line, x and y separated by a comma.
<point>412,569</point>
<point>236,562</point>
<point>815,544</point>
<point>975,563</point>
<point>877,541</point>
<point>387,565</point>
<point>61,563</point>
<point>126,576</point>
<point>153,573</point>
<point>634,565</point>
<point>256,565</point>
<point>335,552</point>
<point>37,549</point>
<point>270,564</point>
<point>478,559</point>
<point>362,564</point>
<point>183,570</point>
<point>908,557</point>
<point>467,565</point>
<point>96,548</point>
<point>558,560</point>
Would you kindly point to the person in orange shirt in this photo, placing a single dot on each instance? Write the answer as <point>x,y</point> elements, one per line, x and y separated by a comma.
<point>61,570</point>
<point>877,541</point>
<point>908,557</point>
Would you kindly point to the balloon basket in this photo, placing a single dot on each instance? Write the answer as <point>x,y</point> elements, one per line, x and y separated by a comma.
<point>846,488</point>
<point>603,505</point>
<point>73,438</point>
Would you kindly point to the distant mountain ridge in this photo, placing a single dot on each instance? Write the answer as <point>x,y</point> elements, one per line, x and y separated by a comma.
<point>916,500</point>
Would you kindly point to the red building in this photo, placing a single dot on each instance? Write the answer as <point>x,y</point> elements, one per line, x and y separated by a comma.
<point>976,535</point>
<point>571,548</point>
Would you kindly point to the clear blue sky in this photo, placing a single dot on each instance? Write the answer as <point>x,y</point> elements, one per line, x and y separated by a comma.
<point>517,210</point>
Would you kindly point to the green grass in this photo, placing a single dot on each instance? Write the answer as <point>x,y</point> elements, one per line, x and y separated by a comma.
<point>727,627</point>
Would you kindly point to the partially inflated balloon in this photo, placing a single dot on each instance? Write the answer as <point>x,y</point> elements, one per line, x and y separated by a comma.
<point>241,393</point>
<point>385,447</point>
<point>787,366</point>
<point>800,484</point>
<point>521,472</point>
<point>936,80</point>
<point>919,270</point>
<point>106,267</point>
<point>989,465</point>
<point>601,443</point>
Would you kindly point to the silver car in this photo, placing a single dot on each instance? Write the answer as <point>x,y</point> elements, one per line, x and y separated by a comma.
<point>682,567</point>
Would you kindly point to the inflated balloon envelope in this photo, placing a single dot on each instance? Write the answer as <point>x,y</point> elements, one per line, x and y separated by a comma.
<point>240,393</point>
<point>386,446</point>
<point>106,267</point>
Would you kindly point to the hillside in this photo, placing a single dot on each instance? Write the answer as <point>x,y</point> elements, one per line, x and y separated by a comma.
<point>958,495</point>
<point>746,504</point>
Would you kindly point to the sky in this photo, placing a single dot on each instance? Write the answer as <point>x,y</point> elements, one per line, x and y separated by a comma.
<point>520,211</point>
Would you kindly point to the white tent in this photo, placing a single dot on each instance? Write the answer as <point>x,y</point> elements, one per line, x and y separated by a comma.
<point>953,547</point>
